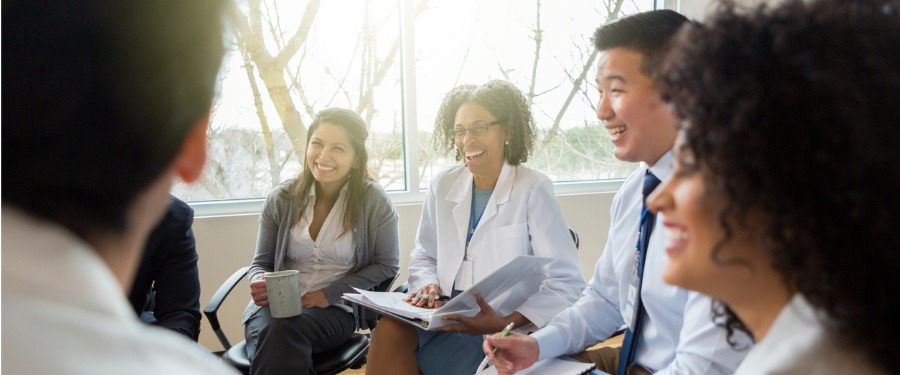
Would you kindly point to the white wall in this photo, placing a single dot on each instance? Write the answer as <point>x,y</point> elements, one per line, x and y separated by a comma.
<point>694,9</point>
<point>226,243</point>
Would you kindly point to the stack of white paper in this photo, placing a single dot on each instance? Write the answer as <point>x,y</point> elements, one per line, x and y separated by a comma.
<point>505,290</point>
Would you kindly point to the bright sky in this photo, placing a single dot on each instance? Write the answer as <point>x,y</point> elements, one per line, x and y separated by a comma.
<point>457,41</point>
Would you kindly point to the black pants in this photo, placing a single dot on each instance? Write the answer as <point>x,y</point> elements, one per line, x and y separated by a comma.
<point>286,345</point>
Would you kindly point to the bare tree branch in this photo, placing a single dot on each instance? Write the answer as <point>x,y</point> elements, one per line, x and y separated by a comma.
<point>263,121</point>
<point>576,86</point>
<point>538,38</point>
<point>271,70</point>
<point>299,37</point>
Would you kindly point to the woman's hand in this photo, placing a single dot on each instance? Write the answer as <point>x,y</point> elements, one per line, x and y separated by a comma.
<point>258,292</point>
<point>485,322</point>
<point>432,291</point>
<point>315,298</point>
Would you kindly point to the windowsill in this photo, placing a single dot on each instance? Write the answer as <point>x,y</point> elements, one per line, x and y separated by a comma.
<point>252,206</point>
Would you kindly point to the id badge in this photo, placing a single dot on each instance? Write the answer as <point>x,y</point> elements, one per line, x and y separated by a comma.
<point>633,287</point>
<point>465,276</point>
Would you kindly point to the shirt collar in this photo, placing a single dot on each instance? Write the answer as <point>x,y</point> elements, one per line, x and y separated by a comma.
<point>663,167</point>
<point>312,192</point>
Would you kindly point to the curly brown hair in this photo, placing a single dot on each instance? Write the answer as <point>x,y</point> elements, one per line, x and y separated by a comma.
<point>792,111</point>
<point>503,100</point>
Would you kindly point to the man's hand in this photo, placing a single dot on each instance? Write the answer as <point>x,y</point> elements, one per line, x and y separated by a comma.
<point>515,352</point>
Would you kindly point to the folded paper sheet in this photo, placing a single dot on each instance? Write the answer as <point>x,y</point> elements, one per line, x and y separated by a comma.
<point>505,290</point>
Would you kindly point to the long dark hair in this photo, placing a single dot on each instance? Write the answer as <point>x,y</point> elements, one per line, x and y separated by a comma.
<point>359,177</point>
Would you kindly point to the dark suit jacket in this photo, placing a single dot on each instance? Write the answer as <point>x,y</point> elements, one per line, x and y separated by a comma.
<point>169,268</point>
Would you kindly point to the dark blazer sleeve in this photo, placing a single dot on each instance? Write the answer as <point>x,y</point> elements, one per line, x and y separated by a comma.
<point>170,266</point>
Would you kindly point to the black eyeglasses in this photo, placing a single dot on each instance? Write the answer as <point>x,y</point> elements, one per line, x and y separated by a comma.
<point>477,128</point>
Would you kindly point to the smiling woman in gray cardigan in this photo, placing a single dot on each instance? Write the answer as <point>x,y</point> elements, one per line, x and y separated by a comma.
<point>338,228</point>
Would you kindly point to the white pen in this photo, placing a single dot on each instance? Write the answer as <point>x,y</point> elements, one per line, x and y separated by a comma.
<point>487,359</point>
<point>438,297</point>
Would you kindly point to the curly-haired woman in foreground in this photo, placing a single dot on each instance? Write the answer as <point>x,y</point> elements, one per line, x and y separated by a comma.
<point>783,202</point>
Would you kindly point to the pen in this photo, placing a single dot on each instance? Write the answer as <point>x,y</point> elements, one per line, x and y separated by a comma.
<point>438,297</point>
<point>503,333</point>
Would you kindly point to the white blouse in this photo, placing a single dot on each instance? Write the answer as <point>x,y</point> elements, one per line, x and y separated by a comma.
<point>327,258</point>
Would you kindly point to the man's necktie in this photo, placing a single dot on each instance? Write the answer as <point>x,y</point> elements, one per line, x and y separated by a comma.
<point>647,221</point>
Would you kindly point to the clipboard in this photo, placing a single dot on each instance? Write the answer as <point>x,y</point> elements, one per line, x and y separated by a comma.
<point>555,366</point>
<point>505,290</point>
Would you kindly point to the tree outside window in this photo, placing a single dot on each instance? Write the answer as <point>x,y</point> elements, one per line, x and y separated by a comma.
<point>289,59</point>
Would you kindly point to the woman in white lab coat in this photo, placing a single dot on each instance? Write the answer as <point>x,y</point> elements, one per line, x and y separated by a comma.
<point>477,217</point>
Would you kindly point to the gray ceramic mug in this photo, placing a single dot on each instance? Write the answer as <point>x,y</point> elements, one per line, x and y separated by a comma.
<point>283,288</point>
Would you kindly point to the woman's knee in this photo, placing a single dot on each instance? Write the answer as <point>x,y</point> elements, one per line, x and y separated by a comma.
<point>396,332</point>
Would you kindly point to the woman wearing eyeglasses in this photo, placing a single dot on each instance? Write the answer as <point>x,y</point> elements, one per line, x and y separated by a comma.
<point>477,217</point>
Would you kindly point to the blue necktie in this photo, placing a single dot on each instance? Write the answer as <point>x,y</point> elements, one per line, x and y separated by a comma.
<point>648,219</point>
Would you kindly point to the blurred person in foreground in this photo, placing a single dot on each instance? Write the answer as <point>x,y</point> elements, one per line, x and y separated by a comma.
<point>105,104</point>
<point>783,205</point>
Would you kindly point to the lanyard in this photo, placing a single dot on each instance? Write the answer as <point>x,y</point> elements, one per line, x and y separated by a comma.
<point>473,223</point>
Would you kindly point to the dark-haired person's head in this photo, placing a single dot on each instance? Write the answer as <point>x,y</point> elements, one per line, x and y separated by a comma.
<point>505,104</point>
<point>648,33</point>
<point>102,99</point>
<point>790,134</point>
<point>336,156</point>
<point>357,134</point>
<point>640,125</point>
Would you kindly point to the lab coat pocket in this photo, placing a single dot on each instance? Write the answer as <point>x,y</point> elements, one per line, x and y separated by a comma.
<point>507,242</point>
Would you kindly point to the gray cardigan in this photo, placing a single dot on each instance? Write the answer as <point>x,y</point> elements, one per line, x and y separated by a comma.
<point>376,237</point>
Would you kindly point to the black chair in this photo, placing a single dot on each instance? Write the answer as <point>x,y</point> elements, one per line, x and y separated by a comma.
<point>575,238</point>
<point>350,354</point>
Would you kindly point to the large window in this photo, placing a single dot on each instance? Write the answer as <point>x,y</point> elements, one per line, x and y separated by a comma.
<point>392,61</point>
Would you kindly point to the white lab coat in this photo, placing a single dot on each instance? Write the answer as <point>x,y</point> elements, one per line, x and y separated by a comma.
<point>522,217</point>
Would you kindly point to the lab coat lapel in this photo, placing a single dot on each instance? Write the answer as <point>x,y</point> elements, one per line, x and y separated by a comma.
<point>501,193</point>
<point>461,195</point>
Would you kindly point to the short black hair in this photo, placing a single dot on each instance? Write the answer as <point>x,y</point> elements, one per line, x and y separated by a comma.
<point>503,100</point>
<point>98,96</point>
<point>648,33</point>
<point>791,112</point>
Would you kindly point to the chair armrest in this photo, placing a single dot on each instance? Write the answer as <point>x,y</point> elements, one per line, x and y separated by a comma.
<point>402,288</point>
<point>363,320</point>
<point>212,308</point>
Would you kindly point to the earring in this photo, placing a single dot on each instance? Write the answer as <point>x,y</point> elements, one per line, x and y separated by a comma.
<point>506,143</point>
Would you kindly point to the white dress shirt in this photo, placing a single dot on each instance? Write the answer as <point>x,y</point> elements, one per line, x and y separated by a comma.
<point>65,313</point>
<point>798,343</point>
<point>677,335</point>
